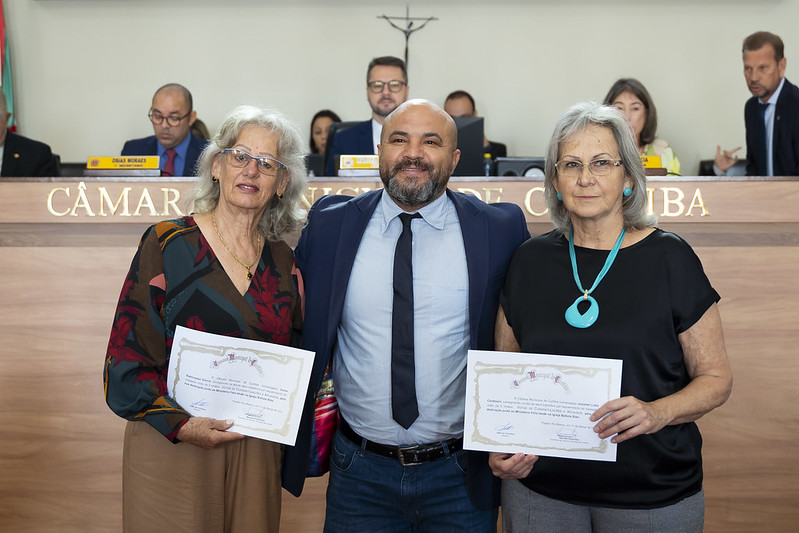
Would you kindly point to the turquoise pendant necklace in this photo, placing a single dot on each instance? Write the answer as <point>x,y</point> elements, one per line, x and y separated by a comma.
<point>573,315</point>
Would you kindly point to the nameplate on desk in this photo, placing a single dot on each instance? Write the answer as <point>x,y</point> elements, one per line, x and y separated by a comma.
<point>359,162</point>
<point>651,161</point>
<point>123,162</point>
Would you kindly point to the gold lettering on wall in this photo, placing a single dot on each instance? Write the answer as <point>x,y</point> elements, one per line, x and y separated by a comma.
<point>650,203</point>
<point>50,207</point>
<point>473,192</point>
<point>173,202</point>
<point>310,196</point>
<point>490,199</point>
<point>353,191</point>
<point>676,201</point>
<point>487,195</point>
<point>673,202</point>
<point>145,201</point>
<point>697,201</point>
<point>528,204</point>
<point>105,199</point>
<point>106,206</point>
<point>82,201</point>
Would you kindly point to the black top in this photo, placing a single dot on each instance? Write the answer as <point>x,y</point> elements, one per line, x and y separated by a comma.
<point>655,290</point>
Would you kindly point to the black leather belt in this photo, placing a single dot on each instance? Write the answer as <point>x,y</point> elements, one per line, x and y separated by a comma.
<point>406,455</point>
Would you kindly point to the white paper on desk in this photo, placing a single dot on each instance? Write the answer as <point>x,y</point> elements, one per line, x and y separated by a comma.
<point>538,404</point>
<point>259,385</point>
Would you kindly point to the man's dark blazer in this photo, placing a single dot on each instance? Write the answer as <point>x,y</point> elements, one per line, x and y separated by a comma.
<point>786,133</point>
<point>355,140</point>
<point>25,157</point>
<point>149,146</point>
<point>325,255</point>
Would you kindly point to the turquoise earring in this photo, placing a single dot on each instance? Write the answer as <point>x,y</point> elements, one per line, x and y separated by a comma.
<point>560,197</point>
<point>627,192</point>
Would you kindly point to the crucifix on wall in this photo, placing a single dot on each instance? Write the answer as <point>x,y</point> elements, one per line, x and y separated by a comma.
<point>409,26</point>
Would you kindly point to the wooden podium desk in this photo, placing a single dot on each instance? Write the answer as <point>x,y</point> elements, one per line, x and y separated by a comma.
<point>66,245</point>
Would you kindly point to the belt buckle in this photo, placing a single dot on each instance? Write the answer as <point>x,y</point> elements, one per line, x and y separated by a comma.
<point>413,450</point>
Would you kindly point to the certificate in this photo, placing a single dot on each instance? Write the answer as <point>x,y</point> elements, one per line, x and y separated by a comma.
<point>259,385</point>
<point>538,404</point>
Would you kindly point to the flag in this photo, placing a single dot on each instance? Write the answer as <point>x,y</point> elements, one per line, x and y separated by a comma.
<point>5,70</point>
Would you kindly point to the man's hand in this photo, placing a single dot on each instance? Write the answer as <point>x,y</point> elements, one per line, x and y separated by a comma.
<point>725,159</point>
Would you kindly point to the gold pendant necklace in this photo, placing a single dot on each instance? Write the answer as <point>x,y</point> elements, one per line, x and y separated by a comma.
<point>242,263</point>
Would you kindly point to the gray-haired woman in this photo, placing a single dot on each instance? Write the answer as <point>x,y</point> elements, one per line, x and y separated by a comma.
<point>607,283</point>
<point>225,270</point>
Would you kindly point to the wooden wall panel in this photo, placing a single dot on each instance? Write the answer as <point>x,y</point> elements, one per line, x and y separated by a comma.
<point>61,448</point>
<point>750,450</point>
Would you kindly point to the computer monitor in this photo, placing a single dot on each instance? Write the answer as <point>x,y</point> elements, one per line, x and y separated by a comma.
<point>315,164</point>
<point>470,143</point>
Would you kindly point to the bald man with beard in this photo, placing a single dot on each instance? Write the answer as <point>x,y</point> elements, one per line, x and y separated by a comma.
<point>390,471</point>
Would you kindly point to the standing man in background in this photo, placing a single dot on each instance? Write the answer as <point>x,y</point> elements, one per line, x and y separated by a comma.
<point>172,115</point>
<point>771,115</point>
<point>20,156</point>
<point>386,89</point>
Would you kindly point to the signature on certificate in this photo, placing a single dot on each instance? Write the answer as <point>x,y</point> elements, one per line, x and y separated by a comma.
<point>505,429</point>
<point>200,405</point>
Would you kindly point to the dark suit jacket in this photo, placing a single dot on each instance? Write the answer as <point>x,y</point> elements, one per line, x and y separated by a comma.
<point>325,255</point>
<point>25,157</point>
<point>149,146</point>
<point>356,140</point>
<point>786,133</point>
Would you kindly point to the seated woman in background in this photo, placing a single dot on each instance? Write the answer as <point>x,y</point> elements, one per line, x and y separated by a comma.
<point>631,97</point>
<point>320,122</point>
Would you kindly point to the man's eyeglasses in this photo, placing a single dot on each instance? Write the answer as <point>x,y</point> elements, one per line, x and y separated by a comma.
<point>240,159</point>
<point>573,168</point>
<point>394,86</point>
<point>172,120</point>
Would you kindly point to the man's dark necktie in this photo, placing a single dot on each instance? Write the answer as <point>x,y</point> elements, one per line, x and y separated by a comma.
<point>403,374</point>
<point>762,155</point>
<point>169,167</point>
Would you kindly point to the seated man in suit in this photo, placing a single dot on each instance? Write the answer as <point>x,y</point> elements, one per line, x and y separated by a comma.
<point>771,115</point>
<point>461,104</point>
<point>401,282</point>
<point>172,115</point>
<point>22,157</point>
<point>386,89</point>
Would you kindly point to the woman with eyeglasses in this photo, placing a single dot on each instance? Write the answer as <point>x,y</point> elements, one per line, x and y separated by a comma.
<point>607,283</point>
<point>631,97</point>
<point>224,269</point>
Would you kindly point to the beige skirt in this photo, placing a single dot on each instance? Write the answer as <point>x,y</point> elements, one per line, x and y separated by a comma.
<point>167,487</point>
